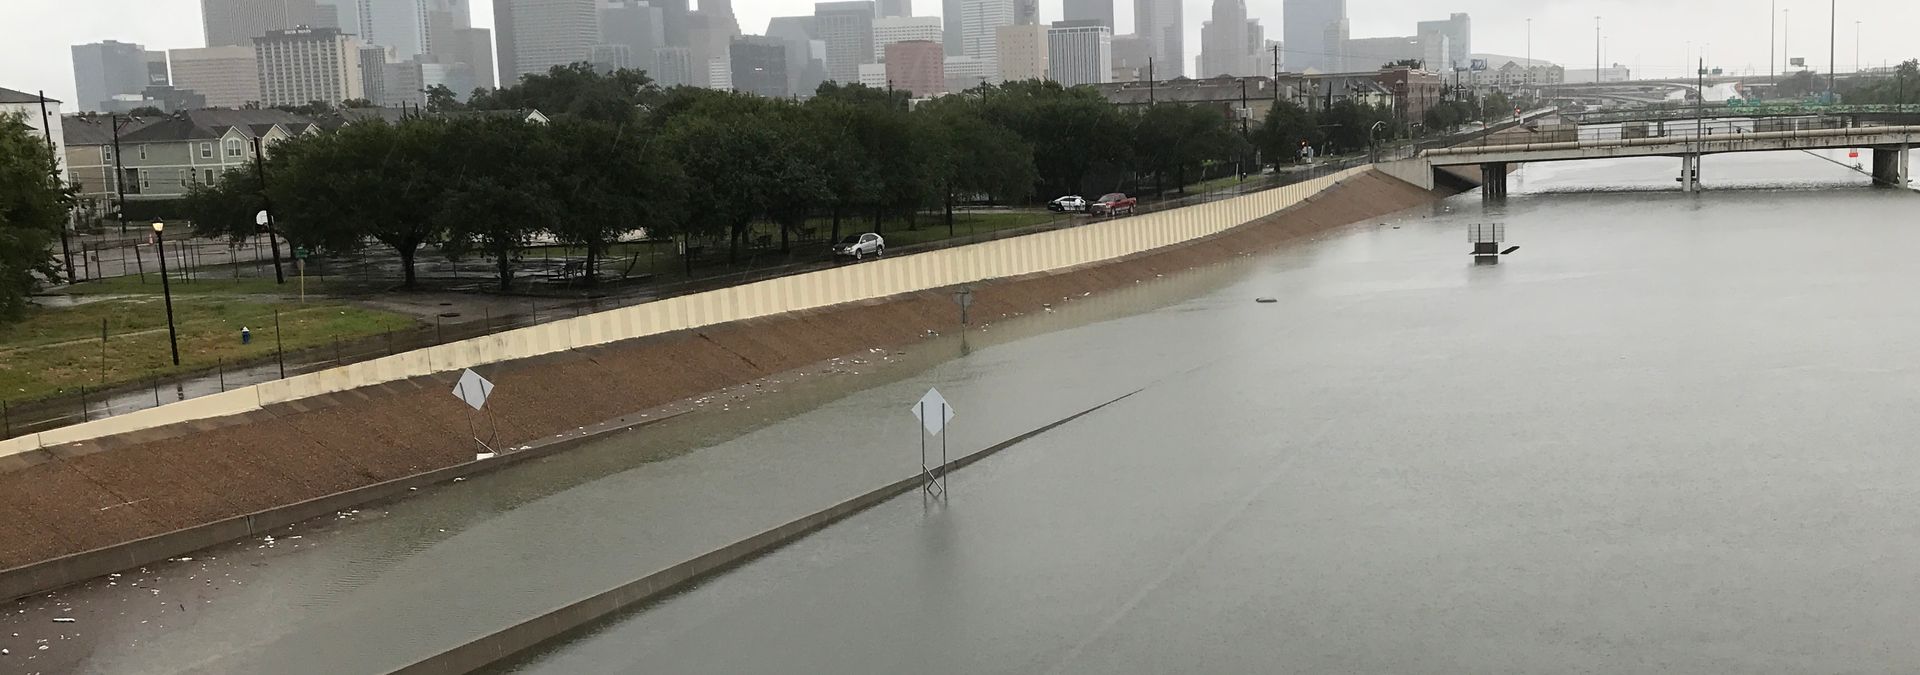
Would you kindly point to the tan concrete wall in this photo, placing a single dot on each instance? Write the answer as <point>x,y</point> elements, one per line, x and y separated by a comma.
<point>1015,256</point>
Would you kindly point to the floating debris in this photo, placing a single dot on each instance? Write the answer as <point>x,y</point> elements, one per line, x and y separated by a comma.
<point>1265,300</point>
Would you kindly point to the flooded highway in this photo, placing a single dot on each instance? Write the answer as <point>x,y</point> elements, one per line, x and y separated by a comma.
<point>1668,433</point>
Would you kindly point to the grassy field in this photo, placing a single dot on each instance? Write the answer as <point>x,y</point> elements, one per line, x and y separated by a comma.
<point>205,284</point>
<point>55,349</point>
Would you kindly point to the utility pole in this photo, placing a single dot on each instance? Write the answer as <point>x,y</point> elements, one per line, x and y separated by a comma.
<point>1773,36</point>
<point>1856,46</point>
<point>1833,31</point>
<point>1596,50</point>
<point>1149,81</point>
<point>1276,74</point>
<point>119,174</point>
<point>46,127</point>
<point>273,232</point>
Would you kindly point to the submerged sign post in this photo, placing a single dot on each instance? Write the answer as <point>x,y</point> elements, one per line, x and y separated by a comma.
<point>934,414</point>
<point>473,390</point>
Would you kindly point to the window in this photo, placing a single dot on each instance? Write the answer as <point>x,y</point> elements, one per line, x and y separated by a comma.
<point>209,176</point>
<point>144,183</point>
<point>233,147</point>
<point>106,154</point>
<point>143,151</point>
<point>206,150</point>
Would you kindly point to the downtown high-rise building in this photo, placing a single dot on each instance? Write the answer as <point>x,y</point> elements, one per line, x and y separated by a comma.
<point>954,33</point>
<point>982,20</point>
<point>303,65</point>
<point>1159,22</point>
<point>108,69</point>
<point>888,30</point>
<point>1090,10</point>
<point>238,22</point>
<point>1079,52</point>
<point>1223,41</point>
<point>1458,31</point>
<point>1026,12</point>
<point>1315,34</point>
<point>229,76</point>
<point>917,66</point>
<point>1023,52</point>
<point>536,35</point>
<point>630,30</point>
<point>847,28</point>
<point>806,54</point>
<point>758,65</point>
<point>893,8</point>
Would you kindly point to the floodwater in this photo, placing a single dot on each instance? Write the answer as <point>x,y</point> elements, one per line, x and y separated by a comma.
<point>1671,433</point>
<point>1667,433</point>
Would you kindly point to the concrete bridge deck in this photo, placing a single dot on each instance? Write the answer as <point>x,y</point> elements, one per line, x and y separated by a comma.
<point>1890,145</point>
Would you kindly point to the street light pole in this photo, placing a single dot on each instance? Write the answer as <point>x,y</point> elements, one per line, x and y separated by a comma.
<point>166,289</point>
<point>1833,31</point>
<point>273,233</point>
<point>1596,50</point>
<point>1773,37</point>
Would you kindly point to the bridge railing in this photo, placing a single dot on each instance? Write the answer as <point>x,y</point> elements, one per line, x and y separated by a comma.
<point>1724,110</point>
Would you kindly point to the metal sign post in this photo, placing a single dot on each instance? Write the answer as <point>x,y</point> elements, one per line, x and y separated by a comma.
<point>474,390</point>
<point>964,298</point>
<point>934,414</point>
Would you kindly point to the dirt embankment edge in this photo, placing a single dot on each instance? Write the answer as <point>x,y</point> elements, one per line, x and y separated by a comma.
<point>87,509</point>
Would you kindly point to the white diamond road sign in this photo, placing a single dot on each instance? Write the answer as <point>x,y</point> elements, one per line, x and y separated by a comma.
<point>928,411</point>
<point>473,389</point>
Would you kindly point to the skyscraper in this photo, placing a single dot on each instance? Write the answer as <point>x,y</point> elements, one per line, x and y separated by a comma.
<point>895,8</point>
<point>536,35</point>
<point>1026,12</point>
<point>302,65</point>
<point>1308,25</point>
<point>888,30</point>
<point>1223,41</point>
<point>805,69</point>
<point>228,76</point>
<point>676,66</point>
<point>709,37</point>
<point>1079,52</point>
<point>636,25</point>
<point>1458,29</point>
<point>474,47</point>
<point>238,22</point>
<point>1160,23</point>
<point>983,19</point>
<point>917,66</point>
<point>847,28</point>
<point>1090,10</point>
<point>1023,52</point>
<point>103,70</point>
<point>758,65</point>
<point>954,28</point>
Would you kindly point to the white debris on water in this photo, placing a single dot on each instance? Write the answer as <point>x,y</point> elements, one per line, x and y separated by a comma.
<point>63,619</point>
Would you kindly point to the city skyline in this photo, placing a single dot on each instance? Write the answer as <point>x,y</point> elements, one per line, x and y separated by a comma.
<point>1562,32</point>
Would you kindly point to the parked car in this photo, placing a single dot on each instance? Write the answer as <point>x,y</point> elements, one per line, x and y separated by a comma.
<point>1113,204</point>
<point>1068,204</point>
<point>858,246</point>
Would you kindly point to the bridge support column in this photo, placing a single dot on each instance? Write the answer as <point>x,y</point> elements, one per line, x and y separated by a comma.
<point>1493,181</point>
<point>1890,166</point>
<point>1689,173</point>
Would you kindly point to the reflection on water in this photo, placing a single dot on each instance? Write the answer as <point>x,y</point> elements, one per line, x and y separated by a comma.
<point>1672,433</point>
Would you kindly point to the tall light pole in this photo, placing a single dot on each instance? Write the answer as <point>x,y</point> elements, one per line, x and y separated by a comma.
<point>1856,46</point>
<point>166,289</point>
<point>1596,50</point>
<point>1773,39</point>
<point>1833,32</point>
<point>1786,27</point>
<point>1529,53</point>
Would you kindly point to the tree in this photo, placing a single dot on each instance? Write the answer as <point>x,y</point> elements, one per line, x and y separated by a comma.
<point>502,192</point>
<point>1288,127</point>
<point>364,180</point>
<point>1074,132</point>
<point>441,98</point>
<point>227,208</point>
<point>146,111</point>
<point>1415,64</point>
<point>976,157</point>
<point>574,90</point>
<point>632,185</point>
<point>1174,138</point>
<point>33,209</point>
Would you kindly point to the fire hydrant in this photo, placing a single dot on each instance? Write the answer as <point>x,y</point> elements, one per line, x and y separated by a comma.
<point>246,336</point>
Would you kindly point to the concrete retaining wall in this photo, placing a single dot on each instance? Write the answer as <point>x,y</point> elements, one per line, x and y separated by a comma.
<point>1042,252</point>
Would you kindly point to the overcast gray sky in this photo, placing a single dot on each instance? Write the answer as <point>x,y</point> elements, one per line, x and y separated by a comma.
<point>1650,36</point>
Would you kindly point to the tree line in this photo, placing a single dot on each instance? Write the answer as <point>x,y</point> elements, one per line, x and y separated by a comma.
<point>34,203</point>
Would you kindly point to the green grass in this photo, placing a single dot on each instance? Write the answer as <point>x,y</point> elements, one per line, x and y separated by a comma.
<point>211,281</point>
<point>57,349</point>
<point>934,228</point>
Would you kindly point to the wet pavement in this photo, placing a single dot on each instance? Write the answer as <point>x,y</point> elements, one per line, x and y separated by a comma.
<point>1669,434</point>
<point>1666,434</point>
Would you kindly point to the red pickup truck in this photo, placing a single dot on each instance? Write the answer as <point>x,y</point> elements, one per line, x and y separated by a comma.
<point>1113,204</point>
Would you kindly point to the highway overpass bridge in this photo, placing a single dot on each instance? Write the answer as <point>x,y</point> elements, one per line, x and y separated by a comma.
<point>1890,145</point>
